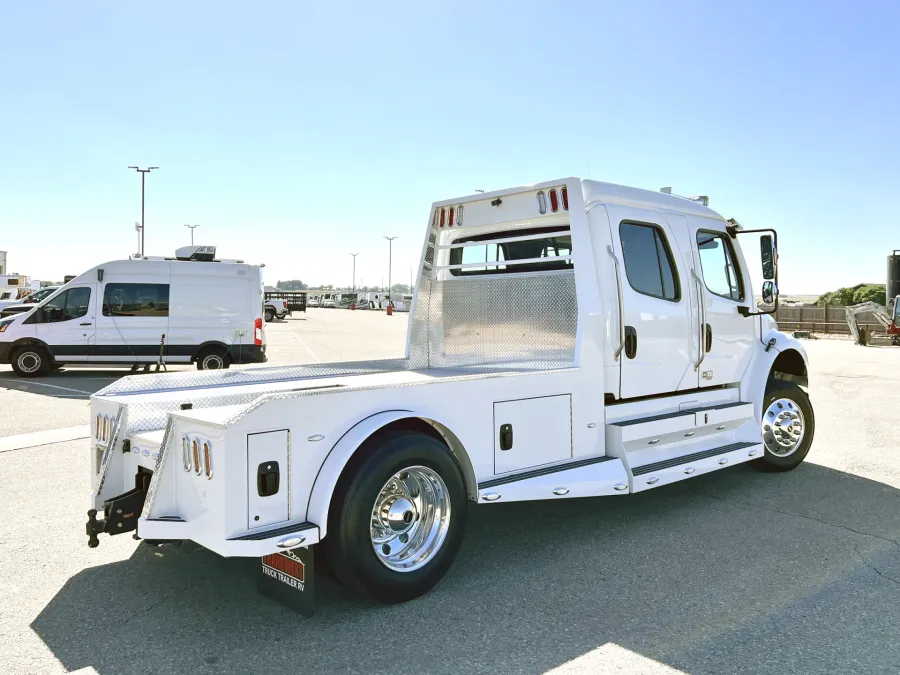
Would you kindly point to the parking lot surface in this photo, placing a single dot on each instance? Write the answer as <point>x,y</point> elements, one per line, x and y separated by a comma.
<point>731,572</point>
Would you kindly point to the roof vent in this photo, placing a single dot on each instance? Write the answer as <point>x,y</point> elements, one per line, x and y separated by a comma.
<point>201,253</point>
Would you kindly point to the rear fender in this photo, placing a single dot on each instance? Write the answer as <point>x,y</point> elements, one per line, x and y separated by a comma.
<point>349,443</point>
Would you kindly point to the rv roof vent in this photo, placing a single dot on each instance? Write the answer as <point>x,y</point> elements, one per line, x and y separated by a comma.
<point>204,253</point>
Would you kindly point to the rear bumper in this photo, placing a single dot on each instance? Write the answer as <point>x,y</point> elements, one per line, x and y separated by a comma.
<point>247,353</point>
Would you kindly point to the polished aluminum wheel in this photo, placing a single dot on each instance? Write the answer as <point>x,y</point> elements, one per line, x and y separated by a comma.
<point>410,519</point>
<point>783,427</point>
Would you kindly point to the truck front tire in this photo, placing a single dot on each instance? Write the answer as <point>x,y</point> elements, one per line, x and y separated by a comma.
<point>31,361</point>
<point>787,427</point>
<point>397,517</point>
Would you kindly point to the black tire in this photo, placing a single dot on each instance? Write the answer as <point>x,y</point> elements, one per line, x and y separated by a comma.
<point>213,358</point>
<point>269,315</point>
<point>775,391</point>
<point>348,545</point>
<point>31,361</point>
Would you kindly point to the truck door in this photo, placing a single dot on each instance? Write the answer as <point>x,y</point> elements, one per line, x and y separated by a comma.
<point>66,324</point>
<point>729,337</point>
<point>656,356</point>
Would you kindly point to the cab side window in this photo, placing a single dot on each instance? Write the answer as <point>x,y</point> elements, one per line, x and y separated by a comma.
<point>72,304</point>
<point>649,265</point>
<point>719,265</point>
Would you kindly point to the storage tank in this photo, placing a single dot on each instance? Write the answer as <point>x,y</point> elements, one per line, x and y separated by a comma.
<point>893,277</point>
<point>2,262</point>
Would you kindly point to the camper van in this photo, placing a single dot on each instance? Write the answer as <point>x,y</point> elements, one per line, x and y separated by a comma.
<point>191,308</point>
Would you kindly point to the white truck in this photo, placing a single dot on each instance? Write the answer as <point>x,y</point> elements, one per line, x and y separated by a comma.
<point>636,361</point>
<point>275,308</point>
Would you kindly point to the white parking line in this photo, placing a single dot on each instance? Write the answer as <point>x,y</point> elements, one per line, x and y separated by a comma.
<point>55,386</point>
<point>20,441</point>
<point>305,346</point>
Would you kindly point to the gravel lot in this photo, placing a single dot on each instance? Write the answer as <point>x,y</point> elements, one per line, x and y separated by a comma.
<point>733,572</point>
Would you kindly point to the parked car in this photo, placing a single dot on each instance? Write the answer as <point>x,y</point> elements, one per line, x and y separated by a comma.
<point>188,309</point>
<point>29,301</point>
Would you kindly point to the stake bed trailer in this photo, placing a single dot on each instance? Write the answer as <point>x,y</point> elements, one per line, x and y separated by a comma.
<point>566,339</point>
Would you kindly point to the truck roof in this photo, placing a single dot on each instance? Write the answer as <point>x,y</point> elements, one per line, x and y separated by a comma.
<point>596,191</point>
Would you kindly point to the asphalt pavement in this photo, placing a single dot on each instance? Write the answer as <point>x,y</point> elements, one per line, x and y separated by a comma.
<point>731,572</point>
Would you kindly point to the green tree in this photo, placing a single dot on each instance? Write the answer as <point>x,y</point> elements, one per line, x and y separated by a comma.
<point>869,293</point>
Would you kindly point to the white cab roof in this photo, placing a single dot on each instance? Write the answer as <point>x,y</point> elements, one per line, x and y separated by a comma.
<point>610,193</point>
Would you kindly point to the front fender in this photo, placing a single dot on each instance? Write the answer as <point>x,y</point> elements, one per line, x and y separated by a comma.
<point>338,456</point>
<point>753,386</point>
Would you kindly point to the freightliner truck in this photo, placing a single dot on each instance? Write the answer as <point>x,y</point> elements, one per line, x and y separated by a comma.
<point>567,339</point>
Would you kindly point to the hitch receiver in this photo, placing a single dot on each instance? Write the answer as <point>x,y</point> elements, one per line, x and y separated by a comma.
<point>120,513</point>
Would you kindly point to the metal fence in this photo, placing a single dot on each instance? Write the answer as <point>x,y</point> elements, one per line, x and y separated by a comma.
<point>822,320</point>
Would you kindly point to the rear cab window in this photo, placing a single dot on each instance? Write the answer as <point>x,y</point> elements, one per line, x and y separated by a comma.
<point>649,265</point>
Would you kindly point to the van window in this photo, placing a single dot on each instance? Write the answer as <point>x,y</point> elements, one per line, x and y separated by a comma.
<point>720,271</point>
<point>72,304</point>
<point>136,300</point>
<point>555,246</point>
<point>649,266</point>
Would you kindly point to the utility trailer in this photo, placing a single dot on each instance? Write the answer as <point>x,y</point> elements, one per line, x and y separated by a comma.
<point>295,300</point>
<point>567,339</point>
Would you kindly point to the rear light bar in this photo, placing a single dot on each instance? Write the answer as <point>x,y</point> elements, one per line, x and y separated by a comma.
<point>257,332</point>
<point>554,198</point>
<point>449,217</point>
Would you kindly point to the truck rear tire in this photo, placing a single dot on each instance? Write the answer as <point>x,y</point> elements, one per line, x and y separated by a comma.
<point>270,315</point>
<point>397,517</point>
<point>788,426</point>
<point>31,361</point>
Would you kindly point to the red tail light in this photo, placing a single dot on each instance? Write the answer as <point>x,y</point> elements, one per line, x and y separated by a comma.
<point>443,215</point>
<point>554,201</point>
<point>257,332</point>
<point>450,222</point>
<point>565,198</point>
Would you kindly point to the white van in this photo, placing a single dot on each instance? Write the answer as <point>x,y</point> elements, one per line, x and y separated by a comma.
<point>187,309</point>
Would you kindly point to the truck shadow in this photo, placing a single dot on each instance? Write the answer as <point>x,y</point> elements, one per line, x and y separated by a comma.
<point>735,572</point>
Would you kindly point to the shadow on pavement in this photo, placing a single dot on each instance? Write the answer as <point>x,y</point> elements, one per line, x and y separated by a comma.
<point>735,572</point>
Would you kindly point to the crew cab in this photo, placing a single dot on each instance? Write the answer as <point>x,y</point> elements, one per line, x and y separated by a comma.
<point>567,339</point>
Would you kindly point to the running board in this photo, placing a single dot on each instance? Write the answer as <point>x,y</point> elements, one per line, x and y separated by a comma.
<point>591,477</point>
<point>674,469</point>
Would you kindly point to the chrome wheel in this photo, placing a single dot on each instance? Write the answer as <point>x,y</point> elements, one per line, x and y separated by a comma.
<point>783,427</point>
<point>29,362</point>
<point>410,519</point>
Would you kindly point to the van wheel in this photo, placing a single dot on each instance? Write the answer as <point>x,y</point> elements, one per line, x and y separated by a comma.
<point>397,518</point>
<point>270,315</point>
<point>214,358</point>
<point>31,361</point>
<point>788,426</point>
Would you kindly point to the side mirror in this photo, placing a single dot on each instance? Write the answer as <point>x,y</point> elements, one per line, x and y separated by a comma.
<point>768,254</point>
<point>769,292</point>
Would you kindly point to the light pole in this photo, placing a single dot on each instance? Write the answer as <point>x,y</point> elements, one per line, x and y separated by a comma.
<point>354,271</point>
<point>192,232</point>
<point>390,242</point>
<point>143,173</point>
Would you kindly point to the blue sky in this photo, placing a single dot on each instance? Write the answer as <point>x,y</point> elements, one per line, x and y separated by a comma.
<point>297,133</point>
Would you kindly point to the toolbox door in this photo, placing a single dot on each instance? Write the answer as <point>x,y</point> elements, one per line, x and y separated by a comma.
<point>267,478</point>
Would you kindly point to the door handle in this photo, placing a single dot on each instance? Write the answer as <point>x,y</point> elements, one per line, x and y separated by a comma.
<point>84,324</point>
<point>708,338</point>
<point>506,437</point>
<point>621,346</point>
<point>630,342</point>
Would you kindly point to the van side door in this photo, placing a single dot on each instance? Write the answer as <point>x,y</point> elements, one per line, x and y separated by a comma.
<point>656,304</point>
<point>66,323</point>
<point>134,315</point>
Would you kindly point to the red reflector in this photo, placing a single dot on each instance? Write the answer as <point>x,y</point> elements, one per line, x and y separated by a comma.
<point>450,222</point>
<point>443,215</point>
<point>565,198</point>
<point>554,201</point>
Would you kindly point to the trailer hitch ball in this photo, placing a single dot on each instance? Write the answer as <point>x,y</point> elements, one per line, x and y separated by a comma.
<point>93,528</point>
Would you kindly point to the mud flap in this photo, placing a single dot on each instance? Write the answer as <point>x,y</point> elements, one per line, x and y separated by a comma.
<point>289,578</point>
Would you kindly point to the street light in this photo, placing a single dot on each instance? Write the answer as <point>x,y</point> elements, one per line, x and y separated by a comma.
<point>354,271</point>
<point>192,232</point>
<point>390,242</point>
<point>143,173</point>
